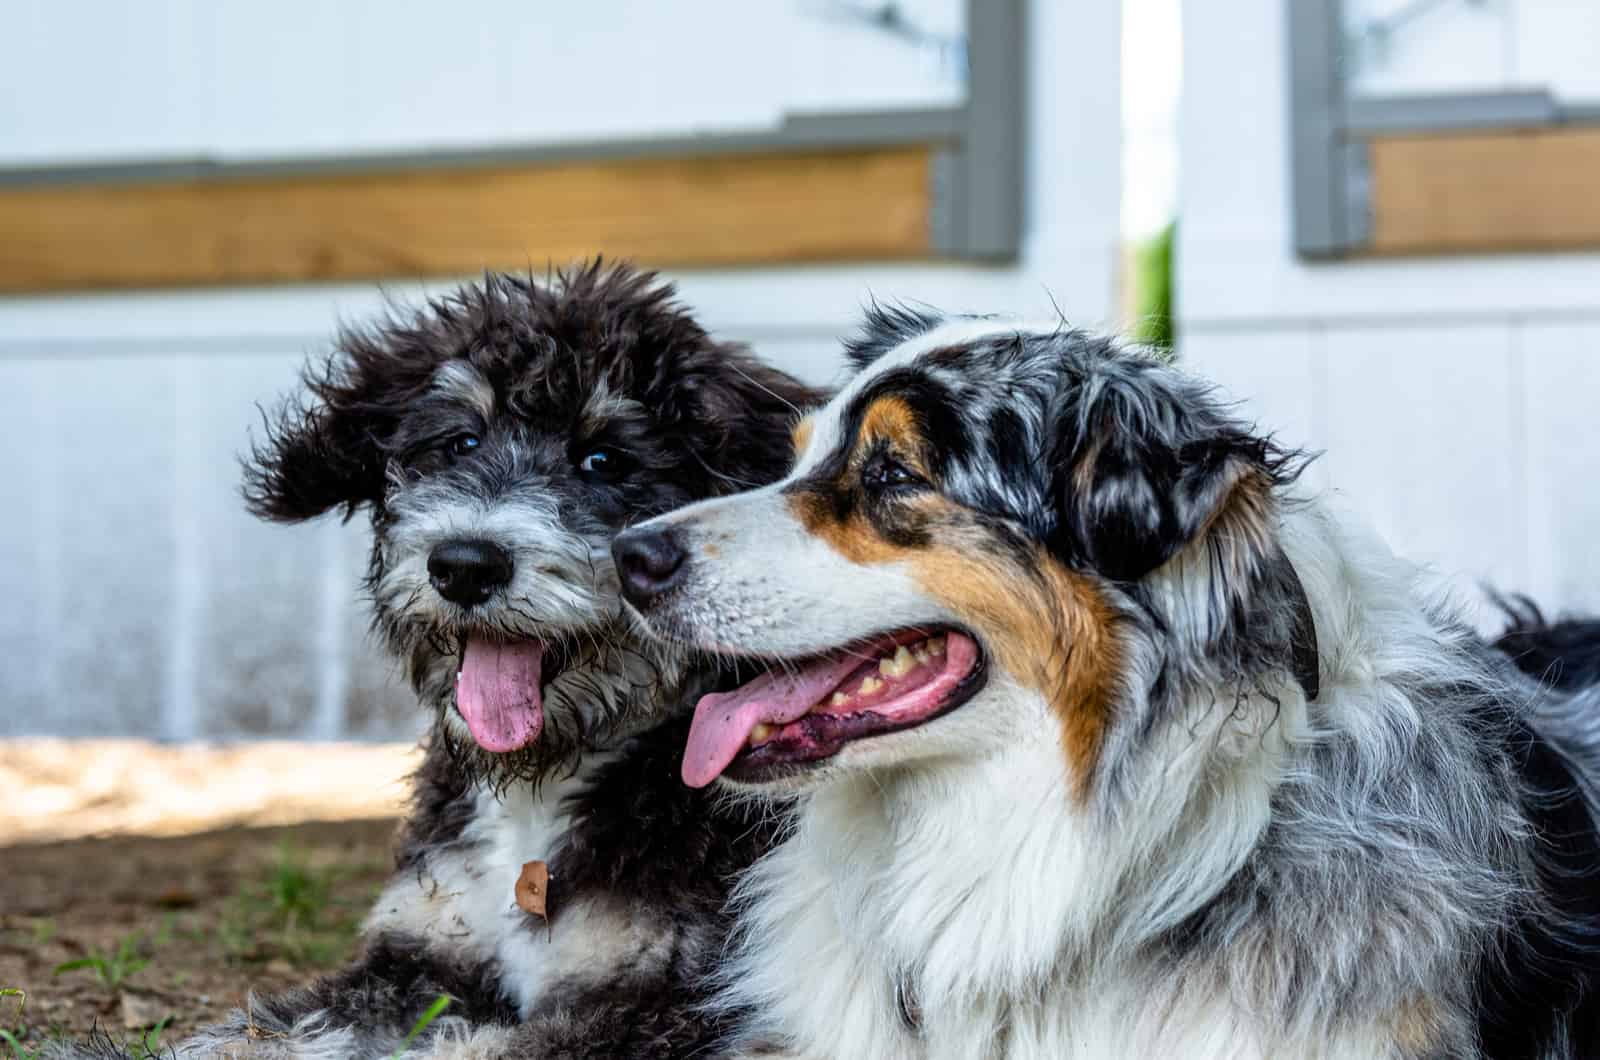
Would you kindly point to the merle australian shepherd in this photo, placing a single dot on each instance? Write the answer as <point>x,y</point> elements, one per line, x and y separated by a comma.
<point>1108,740</point>
<point>499,439</point>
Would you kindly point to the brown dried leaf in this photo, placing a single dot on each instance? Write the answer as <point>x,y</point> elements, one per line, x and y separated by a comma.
<point>533,887</point>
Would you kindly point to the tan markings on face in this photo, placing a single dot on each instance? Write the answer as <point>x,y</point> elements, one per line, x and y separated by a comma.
<point>1047,626</point>
<point>854,537</point>
<point>890,419</point>
<point>801,433</point>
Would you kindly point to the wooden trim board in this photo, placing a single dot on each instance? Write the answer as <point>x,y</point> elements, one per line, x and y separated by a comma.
<point>1466,192</point>
<point>833,204</point>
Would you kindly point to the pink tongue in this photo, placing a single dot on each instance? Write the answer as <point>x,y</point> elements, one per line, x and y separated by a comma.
<point>723,720</point>
<point>497,692</point>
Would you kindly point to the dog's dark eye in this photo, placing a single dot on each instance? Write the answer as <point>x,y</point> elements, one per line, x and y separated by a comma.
<point>886,473</point>
<point>605,464</point>
<point>465,444</point>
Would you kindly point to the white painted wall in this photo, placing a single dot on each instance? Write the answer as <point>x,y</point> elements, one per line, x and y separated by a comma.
<point>1454,397</point>
<point>136,598</point>
<point>104,80</point>
<point>1478,46</point>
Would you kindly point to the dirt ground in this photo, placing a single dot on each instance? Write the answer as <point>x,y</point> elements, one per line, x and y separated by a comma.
<point>129,931</point>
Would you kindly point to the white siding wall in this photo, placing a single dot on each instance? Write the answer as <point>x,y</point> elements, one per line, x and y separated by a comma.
<point>252,78</point>
<point>1454,397</point>
<point>1482,45</point>
<point>136,597</point>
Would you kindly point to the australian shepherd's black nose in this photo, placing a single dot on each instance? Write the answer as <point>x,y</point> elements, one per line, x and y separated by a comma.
<point>1111,741</point>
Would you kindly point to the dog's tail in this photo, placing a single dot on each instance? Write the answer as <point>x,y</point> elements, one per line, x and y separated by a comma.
<point>1564,654</point>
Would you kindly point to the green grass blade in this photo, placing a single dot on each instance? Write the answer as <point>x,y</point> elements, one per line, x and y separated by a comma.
<point>17,1051</point>
<point>440,1003</point>
<point>82,962</point>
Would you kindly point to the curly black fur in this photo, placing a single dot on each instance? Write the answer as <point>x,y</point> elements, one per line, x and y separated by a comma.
<point>539,376</point>
<point>720,416</point>
<point>1564,654</point>
<point>601,358</point>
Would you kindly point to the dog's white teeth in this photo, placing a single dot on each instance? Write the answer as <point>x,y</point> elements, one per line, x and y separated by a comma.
<point>761,733</point>
<point>935,645</point>
<point>870,685</point>
<point>839,699</point>
<point>900,664</point>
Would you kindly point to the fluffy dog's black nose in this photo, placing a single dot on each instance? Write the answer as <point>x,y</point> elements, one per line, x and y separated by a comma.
<point>466,571</point>
<point>649,562</point>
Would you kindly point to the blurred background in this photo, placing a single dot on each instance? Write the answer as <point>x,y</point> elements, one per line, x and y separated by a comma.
<point>1374,219</point>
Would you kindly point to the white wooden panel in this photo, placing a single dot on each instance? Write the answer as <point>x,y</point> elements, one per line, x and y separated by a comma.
<point>21,122</point>
<point>1235,257</point>
<point>1557,44</point>
<point>110,423</point>
<point>1228,281</point>
<point>31,602</point>
<point>1455,47</point>
<point>817,358</point>
<point>1562,370</point>
<point>378,703</point>
<point>68,82</point>
<point>1484,46</point>
<point>1232,194</point>
<point>279,79</point>
<point>110,80</point>
<point>815,304</point>
<point>252,590</point>
<point>1422,438</point>
<point>396,77</point>
<point>1277,375</point>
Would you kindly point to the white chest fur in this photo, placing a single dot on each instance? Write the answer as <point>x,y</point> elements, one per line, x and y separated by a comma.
<point>462,899</point>
<point>934,917</point>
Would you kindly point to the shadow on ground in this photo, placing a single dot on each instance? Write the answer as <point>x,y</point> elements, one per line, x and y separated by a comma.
<point>176,929</point>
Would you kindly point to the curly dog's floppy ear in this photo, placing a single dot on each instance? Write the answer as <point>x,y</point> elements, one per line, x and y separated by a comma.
<point>328,452</point>
<point>311,460</point>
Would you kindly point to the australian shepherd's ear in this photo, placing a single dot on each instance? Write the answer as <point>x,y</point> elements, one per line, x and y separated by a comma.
<point>1138,477</point>
<point>1142,472</point>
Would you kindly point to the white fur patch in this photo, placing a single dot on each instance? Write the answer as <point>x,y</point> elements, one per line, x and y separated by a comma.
<point>462,899</point>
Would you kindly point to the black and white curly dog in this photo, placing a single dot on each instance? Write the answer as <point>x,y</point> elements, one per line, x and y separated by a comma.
<point>1111,741</point>
<point>500,438</point>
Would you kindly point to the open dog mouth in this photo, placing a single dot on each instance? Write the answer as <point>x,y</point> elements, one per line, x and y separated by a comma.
<point>810,710</point>
<point>500,690</point>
